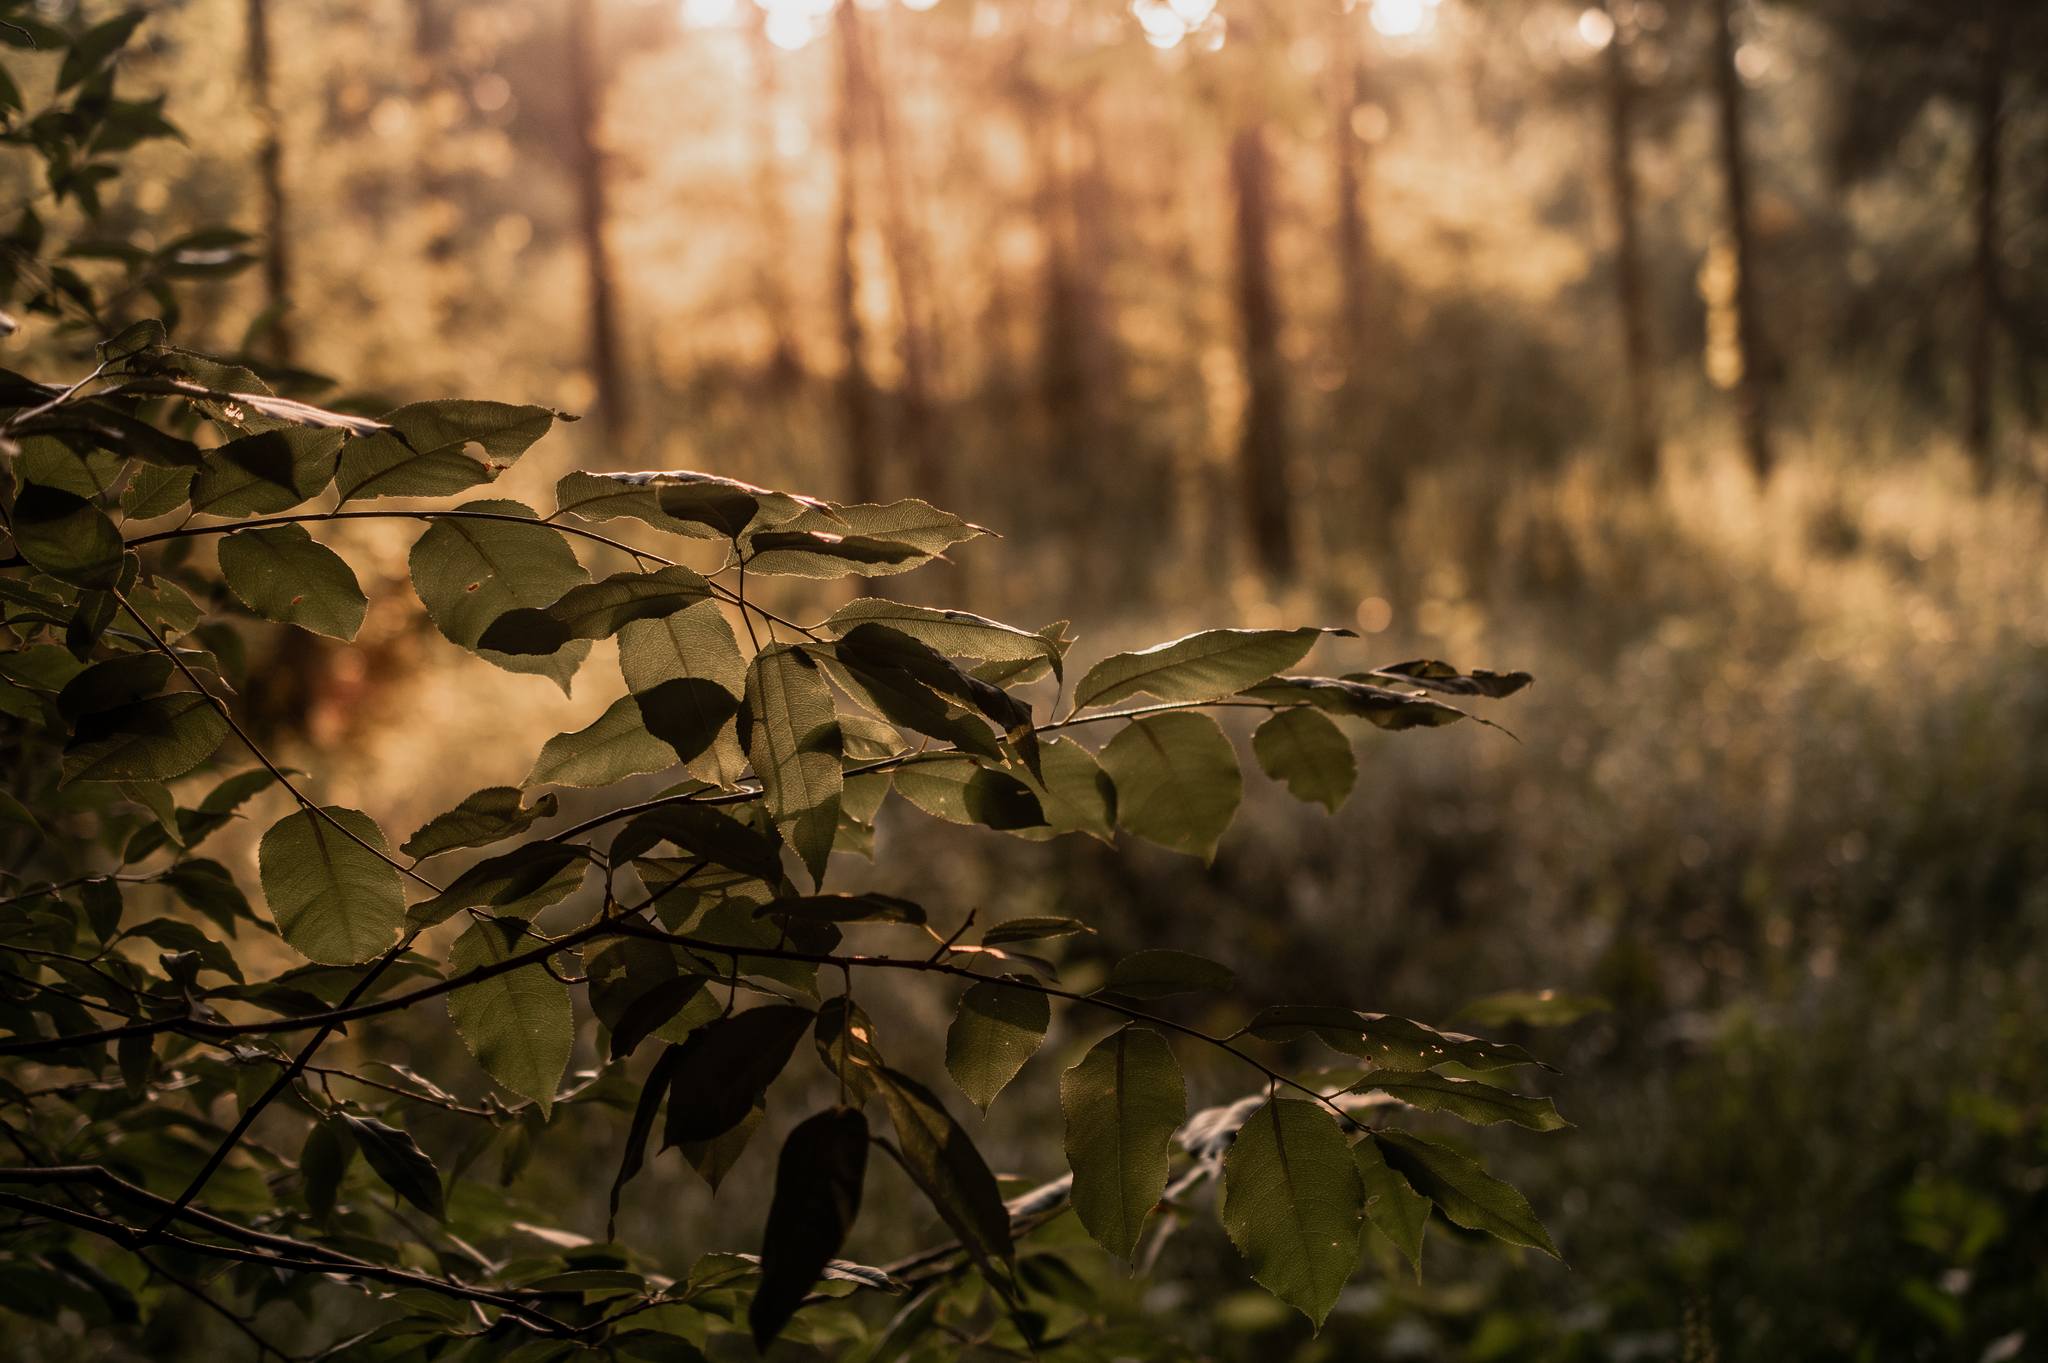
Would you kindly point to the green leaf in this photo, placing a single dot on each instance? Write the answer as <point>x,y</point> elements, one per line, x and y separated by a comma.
<point>1122,1104</point>
<point>1401,1213</point>
<point>1294,1204</point>
<point>66,536</point>
<point>284,574</point>
<point>680,501</point>
<point>823,554</point>
<point>261,474</point>
<point>425,451</point>
<point>1467,1099</point>
<point>1463,1191</point>
<point>610,748</point>
<point>111,683</point>
<point>696,644</point>
<point>323,1163</point>
<point>484,817</point>
<point>519,1025</point>
<point>1391,1043</point>
<point>653,1090</point>
<point>398,1161</point>
<point>1433,675</point>
<point>1031,928</point>
<point>154,492</point>
<point>654,1011</point>
<point>796,750</point>
<point>690,714</point>
<point>1381,706</point>
<point>520,882</point>
<point>1200,667</point>
<point>1177,782</point>
<point>335,901</point>
<point>961,790</point>
<point>726,1066</point>
<point>596,610</point>
<point>1074,792</point>
<point>158,739</point>
<point>918,524</point>
<point>944,1164</point>
<point>996,1028</point>
<point>957,633</point>
<point>1311,754</point>
<point>1162,971</point>
<point>470,572</point>
<point>817,1196</point>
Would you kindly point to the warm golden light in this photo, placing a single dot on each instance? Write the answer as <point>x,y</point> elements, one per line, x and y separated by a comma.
<point>1596,28</point>
<point>1402,18</point>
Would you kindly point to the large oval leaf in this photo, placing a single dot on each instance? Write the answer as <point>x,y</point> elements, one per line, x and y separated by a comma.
<point>66,536</point>
<point>1200,667</point>
<point>796,749</point>
<point>1294,1204</point>
<point>1177,782</point>
<point>469,572</point>
<point>284,574</point>
<point>1122,1103</point>
<point>519,1025</point>
<point>336,901</point>
<point>159,738</point>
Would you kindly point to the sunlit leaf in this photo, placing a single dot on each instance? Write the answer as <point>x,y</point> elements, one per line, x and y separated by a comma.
<point>610,748</point>
<point>271,471</point>
<point>1467,1099</point>
<point>1122,1103</point>
<point>1200,667</point>
<point>1294,1204</point>
<point>696,644</point>
<point>1310,753</point>
<point>519,1024</point>
<point>995,1029</point>
<point>284,574</point>
<point>1177,781</point>
<point>425,452</point>
<point>796,750</point>
<point>469,572</point>
<point>1400,1213</point>
<point>335,900</point>
<point>484,817</point>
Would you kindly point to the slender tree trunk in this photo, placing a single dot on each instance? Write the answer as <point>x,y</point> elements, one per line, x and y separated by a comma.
<point>277,262</point>
<point>911,273</point>
<point>1353,229</point>
<point>1263,451</point>
<point>856,389</point>
<point>1753,390</point>
<point>785,359</point>
<point>593,217</point>
<point>1993,36</point>
<point>1631,293</point>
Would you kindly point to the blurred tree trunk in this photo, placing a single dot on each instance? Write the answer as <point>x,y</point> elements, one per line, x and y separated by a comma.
<point>785,359</point>
<point>593,216</point>
<point>1993,35</point>
<point>1631,292</point>
<point>1354,229</point>
<point>1752,392</point>
<point>277,263</point>
<point>1263,451</point>
<point>910,270</point>
<point>856,389</point>
<point>1066,381</point>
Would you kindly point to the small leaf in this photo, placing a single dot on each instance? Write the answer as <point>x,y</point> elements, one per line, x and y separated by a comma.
<point>944,1164</point>
<point>323,1163</point>
<point>1305,749</point>
<point>996,1028</point>
<point>521,882</point>
<point>796,750</point>
<point>265,473</point>
<point>335,901</point>
<point>1074,792</point>
<point>484,817</point>
<point>469,572</point>
<point>66,536</point>
<point>817,1196</point>
<point>725,1068</point>
<point>1200,667</point>
<point>1122,1103</point>
<point>652,1091</point>
<point>1467,1099</point>
<point>424,452</point>
<point>158,739</point>
<point>1432,675</point>
<point>610,748</point>
<point>822,554</point>
<point>1177,782</point>
<point>1293,1203</point>
<point>1159,972</point>
<point>519,1025</point>
<point>1401,1213</point>
<point>1031,928</point>
<point>394,1157</point>
<point>595,610</point>
<point>961,790</point>
<point>1381,706</point>
<point>949,631</point>
<point>694,644</point>
<point>284,574</point>
<point>1463,1191</point>
<point>680,501</point>
<point>1391,1043</point>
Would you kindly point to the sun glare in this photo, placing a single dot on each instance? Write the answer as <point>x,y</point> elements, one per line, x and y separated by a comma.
<point>1403,18</point>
